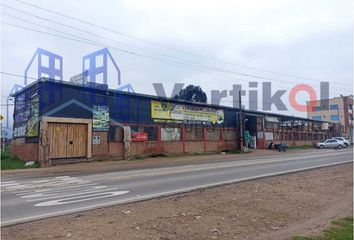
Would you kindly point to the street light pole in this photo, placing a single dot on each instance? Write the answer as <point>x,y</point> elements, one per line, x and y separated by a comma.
<point>339,125</point>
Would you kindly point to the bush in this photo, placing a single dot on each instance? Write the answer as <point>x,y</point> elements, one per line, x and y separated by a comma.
<point>8,161</point>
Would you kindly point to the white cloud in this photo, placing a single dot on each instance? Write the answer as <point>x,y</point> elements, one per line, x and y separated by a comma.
<point>307,38</point>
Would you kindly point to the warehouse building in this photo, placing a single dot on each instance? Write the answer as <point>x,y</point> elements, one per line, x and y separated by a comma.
<point>56,121</point>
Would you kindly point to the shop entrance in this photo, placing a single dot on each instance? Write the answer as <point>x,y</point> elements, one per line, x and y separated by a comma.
<point>251,130</point>
<point>67,140</point>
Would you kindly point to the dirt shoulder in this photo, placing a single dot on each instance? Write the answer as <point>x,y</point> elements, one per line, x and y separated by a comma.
<point>120,165</point>
<point>270,208</point>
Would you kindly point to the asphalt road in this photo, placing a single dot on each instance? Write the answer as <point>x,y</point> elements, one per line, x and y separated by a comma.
<point>26,199</point>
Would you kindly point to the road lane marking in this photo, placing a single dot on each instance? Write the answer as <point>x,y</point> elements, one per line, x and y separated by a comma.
<point>80,199</point>
<point>128,175</point>
<point>60,190</point>
<point>82,193</point>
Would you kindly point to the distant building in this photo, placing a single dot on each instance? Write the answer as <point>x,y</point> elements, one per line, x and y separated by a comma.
<point>336,110</point>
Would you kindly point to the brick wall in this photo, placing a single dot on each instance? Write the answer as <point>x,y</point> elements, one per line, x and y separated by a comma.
<point>102,148</point>
<point>194,147</point>
<point>228,145</point>
<point>172,147</point>
<point>212,146</point>
<point>116,149</point>
<point>25,151</point>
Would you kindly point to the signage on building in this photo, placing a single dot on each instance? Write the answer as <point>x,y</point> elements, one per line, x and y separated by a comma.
<point>268,136</point>
<point>139,137</point>
<point>180,112</point>
<point>26,115</point>
<point>80,78</point>
<point>100,121</point>
<point>271,119</point>
<point>324,126</point>
<point>96,140</point>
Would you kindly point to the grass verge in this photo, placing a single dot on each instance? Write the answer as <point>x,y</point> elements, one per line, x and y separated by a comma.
<point>8,161</point>
<point>341,230</point>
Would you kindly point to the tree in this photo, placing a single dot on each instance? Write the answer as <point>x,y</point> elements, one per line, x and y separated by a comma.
<point>192,93</point>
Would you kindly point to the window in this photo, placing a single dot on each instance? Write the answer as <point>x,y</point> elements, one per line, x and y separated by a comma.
<point>318,118</point>
<point>316,109</point>
<point>170,134</point>
<point>334,117</point>
<point>269,125</point>
<point>194,133</point>
<point>212,134</point>
<point>333,107</point>
<point>116,134</point>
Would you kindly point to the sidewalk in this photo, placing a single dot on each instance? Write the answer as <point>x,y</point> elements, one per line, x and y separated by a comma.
<point>121,165</point>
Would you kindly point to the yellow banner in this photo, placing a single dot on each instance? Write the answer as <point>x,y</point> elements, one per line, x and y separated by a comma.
<point>171,111</point>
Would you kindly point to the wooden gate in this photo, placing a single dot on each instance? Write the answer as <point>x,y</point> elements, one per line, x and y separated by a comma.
<point>67,140</point>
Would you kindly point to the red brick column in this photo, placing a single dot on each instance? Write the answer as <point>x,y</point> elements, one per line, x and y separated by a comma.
<point>184,138</point>
<point>159,143</point>
<point>204,138</point>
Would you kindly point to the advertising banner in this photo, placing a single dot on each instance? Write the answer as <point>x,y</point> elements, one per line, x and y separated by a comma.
<point>100,121</point>
<point>139,137</point>
<point>33,123</point>
<point>268,136</point>
<point>180,112</point>
<point>26,116</point>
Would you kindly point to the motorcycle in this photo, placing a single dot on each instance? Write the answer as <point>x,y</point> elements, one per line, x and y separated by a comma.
<point>280,147</point>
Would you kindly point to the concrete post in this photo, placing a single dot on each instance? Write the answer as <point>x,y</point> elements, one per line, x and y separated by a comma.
<point>44,155</point>
<point>127,140</point>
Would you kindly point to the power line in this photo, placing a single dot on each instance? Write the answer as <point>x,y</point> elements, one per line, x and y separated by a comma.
<point>94,34</point>
<point>85,39</point>
<point>175,63</point>
<point>125,51</point>
<point>81,30</point>
<point>193,67</point>
<point>160,45</point>
<point>17,75</point>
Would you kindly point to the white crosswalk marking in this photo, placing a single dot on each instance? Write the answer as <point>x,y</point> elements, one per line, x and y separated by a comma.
<point>61,190</point>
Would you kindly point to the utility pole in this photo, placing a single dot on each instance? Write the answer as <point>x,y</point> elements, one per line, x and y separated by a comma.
<point>2,134</point>
<point>240,118</point>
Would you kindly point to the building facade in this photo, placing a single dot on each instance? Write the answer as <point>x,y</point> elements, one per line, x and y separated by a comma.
<point>337,110</point>
<point>56,120</point>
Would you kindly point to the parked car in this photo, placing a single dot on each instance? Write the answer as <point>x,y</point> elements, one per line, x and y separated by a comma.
<point>343,140</point>
<point>330,143</point>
